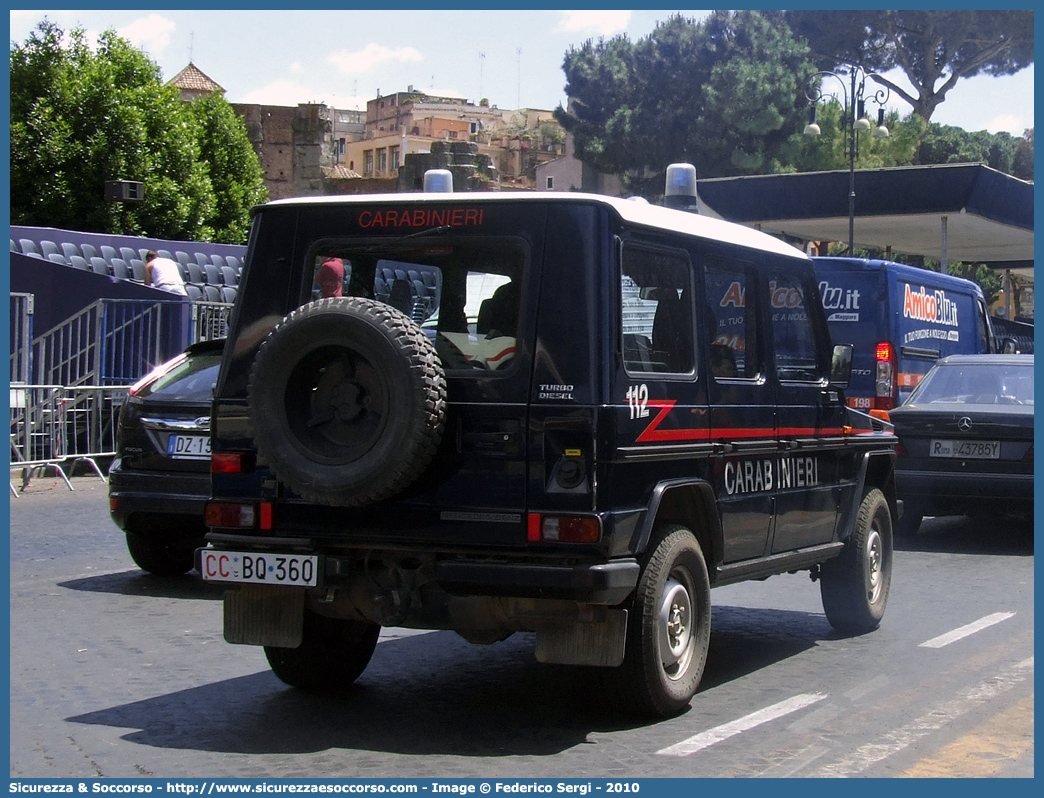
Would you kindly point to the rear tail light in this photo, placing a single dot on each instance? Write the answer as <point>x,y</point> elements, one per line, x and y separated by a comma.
<point>1028,457</point>
<point>231,462</point>
<point>886,389</point>
<point>230,515</point>
<point>899,450</point>
<point>564,528</point>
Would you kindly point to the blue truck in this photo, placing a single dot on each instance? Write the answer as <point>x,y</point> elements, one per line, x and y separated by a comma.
<point>900,319</point>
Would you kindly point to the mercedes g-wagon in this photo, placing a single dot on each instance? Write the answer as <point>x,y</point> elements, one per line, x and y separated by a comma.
<point>559,413</point>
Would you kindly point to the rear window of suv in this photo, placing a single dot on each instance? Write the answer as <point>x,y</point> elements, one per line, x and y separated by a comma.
<point>465,295</point>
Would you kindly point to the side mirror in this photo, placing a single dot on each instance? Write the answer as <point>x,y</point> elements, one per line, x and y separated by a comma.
<point>1009,346</point>
<point>841,365</point>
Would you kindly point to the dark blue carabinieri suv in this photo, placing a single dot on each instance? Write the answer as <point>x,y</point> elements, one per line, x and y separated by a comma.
<point>602,410</point>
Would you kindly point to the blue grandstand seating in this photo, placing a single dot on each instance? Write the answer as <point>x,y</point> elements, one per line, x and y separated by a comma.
<point>29,247</point>
<point>69,249</point>
<point>212,274</point>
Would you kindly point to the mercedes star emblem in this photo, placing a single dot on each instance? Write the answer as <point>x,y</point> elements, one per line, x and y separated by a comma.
<point>964,424</point>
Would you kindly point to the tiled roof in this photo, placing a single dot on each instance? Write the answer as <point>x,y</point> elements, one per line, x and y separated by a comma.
<point>192,78</point>
<point>340,172</point>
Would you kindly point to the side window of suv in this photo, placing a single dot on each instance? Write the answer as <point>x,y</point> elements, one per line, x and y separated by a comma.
<point>656,311</point>
<point>731,320</point>
<point>793,338</point>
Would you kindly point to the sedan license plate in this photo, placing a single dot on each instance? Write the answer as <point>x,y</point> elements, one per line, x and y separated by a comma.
<point>971,450</point>
<point>189,447</point>
<point>296,570</point>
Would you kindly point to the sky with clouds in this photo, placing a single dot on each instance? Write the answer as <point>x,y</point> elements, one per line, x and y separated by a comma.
<point>344,58</point>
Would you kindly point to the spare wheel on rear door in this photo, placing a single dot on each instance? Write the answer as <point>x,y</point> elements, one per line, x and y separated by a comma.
<point>347,401</point>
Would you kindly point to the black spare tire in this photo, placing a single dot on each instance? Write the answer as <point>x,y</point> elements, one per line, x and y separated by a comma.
<point>347,401</point>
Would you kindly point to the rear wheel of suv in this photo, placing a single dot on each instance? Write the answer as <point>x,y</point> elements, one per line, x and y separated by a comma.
<point>347,401</point>
<point>854,585</point>
<point>332,654</point>
<point>669,628</point>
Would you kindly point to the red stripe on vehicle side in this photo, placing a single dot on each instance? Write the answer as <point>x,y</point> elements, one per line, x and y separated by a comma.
<point>653,434</point>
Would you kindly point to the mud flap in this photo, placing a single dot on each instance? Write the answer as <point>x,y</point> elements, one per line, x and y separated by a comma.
<point>265,616</point>
<point>599,644</point>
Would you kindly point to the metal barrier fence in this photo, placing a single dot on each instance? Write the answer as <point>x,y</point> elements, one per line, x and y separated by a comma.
<point>68,385</point>
<point>111,341</point>
<point>210,320</point>
<point>21,336</point>
<point>53,426</point>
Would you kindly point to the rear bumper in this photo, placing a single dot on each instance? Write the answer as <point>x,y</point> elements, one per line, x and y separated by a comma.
<point>605,583</point>
<point>947,489</point>
<point>154,493</point>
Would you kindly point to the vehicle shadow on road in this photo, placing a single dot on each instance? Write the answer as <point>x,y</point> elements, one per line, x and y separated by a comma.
<point>745,639</point>
<point>432,694</point>
<point>963,535</point>
<point>138,583</point>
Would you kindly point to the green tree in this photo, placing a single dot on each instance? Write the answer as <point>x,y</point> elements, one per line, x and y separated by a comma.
<point>988,279</point>
<point>81,116</point>
<point>934,49</point>
<point>234,170</point>
<point>723,94</point>
<point>948,144</point>
<point>1023,164</point>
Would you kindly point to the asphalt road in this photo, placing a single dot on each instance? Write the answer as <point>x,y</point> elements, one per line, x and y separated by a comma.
<point>116,673</point>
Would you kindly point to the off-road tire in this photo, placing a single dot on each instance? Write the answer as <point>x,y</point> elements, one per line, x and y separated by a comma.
<point>347,401</point>
<point>854,585</point>
<point>668,628</point>
<point>332,655</point>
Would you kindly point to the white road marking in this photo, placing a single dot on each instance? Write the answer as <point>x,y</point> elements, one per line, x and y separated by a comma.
<point>708,738</point>
<point>895,741</point>
<point>964,631</point>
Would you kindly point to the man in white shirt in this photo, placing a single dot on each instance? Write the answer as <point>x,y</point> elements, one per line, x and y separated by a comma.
<point>163,273</point>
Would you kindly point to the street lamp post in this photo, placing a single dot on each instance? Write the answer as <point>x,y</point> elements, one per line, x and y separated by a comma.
<point>853,101</point>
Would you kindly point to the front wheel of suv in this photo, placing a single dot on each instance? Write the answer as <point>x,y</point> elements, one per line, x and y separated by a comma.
<point>854,585</point>
<point>332,655</point>
<point>669,628</point>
